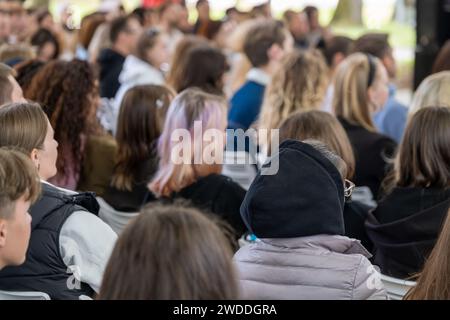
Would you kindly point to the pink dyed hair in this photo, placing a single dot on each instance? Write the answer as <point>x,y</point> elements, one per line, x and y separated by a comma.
<point>189,106</point>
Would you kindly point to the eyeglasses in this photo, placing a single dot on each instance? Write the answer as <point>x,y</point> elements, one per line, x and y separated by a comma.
<point>348,188</point>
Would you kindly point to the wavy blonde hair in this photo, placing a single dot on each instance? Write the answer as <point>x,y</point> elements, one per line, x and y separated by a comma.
<point>433,91</point>
<point>299,84</point>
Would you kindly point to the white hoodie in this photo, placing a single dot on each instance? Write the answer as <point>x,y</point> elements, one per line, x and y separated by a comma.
<point>135,72</point>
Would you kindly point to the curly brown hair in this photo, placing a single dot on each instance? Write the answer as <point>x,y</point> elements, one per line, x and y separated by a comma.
<point>67,92</point>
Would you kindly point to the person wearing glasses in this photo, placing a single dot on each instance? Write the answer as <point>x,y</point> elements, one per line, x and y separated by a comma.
<point>302,251</point>
<point>324,127</point>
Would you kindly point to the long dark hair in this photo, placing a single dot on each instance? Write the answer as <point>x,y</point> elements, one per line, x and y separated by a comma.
<point>170,253</point>
<point>66,91</point>
<point>424,154</point>
<point>141,118</point>
<point>203,67</point>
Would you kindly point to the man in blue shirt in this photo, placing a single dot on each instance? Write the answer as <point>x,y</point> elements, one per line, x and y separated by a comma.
<point>265,46</point>
<point>391,120</point>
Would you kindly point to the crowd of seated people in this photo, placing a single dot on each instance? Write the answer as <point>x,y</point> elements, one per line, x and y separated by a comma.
<point>137,110</point>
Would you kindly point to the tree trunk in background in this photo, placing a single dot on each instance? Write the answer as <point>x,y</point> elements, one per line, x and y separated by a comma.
<point>348,12</point>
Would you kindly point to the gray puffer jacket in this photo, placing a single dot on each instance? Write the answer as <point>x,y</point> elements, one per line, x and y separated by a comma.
<point>315,267</point>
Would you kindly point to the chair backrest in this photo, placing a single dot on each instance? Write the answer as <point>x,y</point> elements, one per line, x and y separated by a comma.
<point>26,295</point>
<point>396,288</point>
<point>240,167</point>
<point>117,220</point>
<point>364,195</point>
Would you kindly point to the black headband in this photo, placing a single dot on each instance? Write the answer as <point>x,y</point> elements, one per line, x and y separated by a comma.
<point>372,70</point>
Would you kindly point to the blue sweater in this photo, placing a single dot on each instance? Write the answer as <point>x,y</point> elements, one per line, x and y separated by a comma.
<point>246,105</point>
<point>391,121</point>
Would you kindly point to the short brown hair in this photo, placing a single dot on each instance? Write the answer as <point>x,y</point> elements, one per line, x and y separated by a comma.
<point>18,177</point>
<point>170,253</point>
<point>260,38</point>
<point>23,125</point>
<point>442,62</point>
<point>376,44</point>
<point>321,126</point>
<point>6,86</point>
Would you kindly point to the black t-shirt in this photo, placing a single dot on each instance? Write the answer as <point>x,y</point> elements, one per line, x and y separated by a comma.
<point>219,195</point>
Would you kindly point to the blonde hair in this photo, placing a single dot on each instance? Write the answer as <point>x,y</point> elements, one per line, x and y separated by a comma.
<point>433,91</point>
<point>351,100</point>
<point>300,84</point>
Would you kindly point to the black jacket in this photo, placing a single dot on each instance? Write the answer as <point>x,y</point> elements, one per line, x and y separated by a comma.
<point>404,228</point>
<point>111,64</point>
<point>371,152</point>
<point>355,215</point>
<point>44,269</point>
<point>219,195</point>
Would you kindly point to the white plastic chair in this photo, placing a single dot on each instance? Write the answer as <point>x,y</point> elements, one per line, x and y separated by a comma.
<point>240,167</point>
<point>364,195</point>
<point>26,295</point>
<point>396,288</point>
<point>117,220</point>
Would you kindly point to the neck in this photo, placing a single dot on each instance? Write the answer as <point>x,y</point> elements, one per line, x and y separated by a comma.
<point>121,49</point>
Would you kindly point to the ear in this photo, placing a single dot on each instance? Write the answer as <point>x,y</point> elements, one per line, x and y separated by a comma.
<point>3,233</point>
<point>275,52</point>
<point>34,155</point>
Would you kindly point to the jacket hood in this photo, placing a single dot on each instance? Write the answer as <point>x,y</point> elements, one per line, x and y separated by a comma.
<point>304,198</point>
<point>136,70</point>
<point>337,244</point>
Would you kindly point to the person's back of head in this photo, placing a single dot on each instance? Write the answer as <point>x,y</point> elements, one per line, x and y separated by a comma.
<point>178,63</point>
<point>433,91</point>
<point>336,49</point>
<point>141,119</point>
<point>170,252</point>
<point>424,153</point>
<point>10,90</point>
<point>377,44</point>
<point>320,126</point>
<point>204,68</point>
<point>19,188</point>
<point>309,208</point>
<point>26,71</point>
<point>46,44</point>
<point>361,90</point>
<point>300,84</point>
<point>191,110</point>
<point>433,281</point>
<point>261,38</point>
<point>442,61</point>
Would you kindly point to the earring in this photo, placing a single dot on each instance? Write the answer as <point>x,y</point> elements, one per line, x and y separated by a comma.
<point>39,167</point>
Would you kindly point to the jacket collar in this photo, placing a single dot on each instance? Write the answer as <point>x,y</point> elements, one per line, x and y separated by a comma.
<point>337,244</point>
<point>259,76</point>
